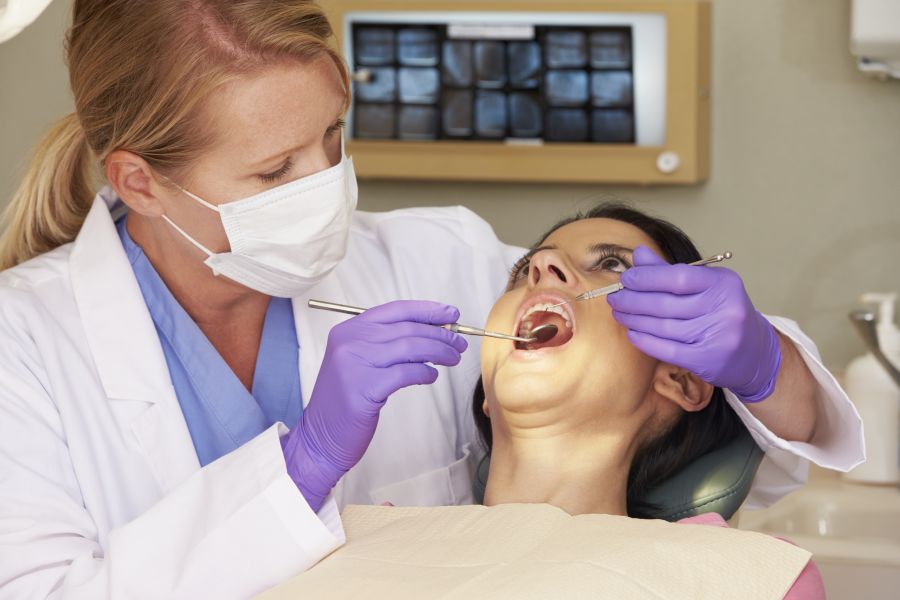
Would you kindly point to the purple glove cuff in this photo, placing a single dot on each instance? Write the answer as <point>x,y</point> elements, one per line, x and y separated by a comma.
<point>314,479</point>
<point>763,382</point>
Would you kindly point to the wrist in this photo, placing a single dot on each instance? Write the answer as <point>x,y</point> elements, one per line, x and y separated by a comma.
<point>312,476</point>
<point>764,380</point>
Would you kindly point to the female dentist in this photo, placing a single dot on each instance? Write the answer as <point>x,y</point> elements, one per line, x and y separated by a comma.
<point>155,348</point>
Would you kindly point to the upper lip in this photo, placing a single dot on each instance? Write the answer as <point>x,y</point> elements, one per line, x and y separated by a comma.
<point>546,297</point>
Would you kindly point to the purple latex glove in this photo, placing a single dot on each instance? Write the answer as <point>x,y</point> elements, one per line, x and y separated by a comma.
<point>368,358</point>
<point>700,319</point>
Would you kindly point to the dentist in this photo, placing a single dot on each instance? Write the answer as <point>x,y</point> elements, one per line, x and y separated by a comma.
<point>173,422</point>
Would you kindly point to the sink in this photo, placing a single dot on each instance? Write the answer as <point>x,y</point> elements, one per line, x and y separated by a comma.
<point>852,530</point>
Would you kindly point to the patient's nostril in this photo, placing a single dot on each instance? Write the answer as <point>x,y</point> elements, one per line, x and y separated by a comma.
<point>556,271</point>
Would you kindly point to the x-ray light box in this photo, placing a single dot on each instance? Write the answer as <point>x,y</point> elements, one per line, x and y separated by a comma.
<point>528,90</point>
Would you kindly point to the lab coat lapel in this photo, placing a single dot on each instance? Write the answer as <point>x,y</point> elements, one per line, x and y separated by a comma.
<point>313,327</point>
<point>126,349</point>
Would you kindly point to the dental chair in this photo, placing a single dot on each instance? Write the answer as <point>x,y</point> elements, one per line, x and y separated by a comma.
<point>716,482</point>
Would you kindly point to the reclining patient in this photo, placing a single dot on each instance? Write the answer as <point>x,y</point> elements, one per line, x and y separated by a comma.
<point>579,428</point>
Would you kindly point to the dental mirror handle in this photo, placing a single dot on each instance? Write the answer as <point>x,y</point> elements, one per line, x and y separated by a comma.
<point>454,327</point>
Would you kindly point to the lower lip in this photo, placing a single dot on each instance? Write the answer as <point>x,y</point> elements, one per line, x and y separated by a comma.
<point>537,354</point>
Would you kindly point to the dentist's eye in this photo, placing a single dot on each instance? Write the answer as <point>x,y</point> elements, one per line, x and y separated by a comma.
<point>338,125</point>
<point>276,175</point>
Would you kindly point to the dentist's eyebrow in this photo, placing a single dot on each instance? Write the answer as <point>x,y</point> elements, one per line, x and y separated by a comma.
<point>271,160</point>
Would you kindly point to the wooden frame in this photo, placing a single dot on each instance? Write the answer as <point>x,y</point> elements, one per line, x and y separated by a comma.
<point>686,114</point>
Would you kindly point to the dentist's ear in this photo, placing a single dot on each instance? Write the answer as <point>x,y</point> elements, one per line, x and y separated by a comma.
<point>682,387</point>
<point>134,182</point>
<point>486,408</point>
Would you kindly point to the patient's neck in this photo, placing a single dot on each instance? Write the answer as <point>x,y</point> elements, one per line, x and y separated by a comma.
<point>578,471</point>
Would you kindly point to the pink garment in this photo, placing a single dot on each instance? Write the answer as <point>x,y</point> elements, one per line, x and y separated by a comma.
<point>808,585</point>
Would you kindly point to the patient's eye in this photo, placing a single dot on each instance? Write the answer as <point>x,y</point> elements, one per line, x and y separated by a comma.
<point>519,270</point>
<point>611,261</point>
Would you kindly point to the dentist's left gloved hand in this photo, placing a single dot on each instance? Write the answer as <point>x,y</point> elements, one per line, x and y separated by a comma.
<point>700,319</point>
<point>367,358</point>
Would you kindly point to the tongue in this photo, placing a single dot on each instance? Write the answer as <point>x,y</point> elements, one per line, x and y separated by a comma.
<point>534,320</point>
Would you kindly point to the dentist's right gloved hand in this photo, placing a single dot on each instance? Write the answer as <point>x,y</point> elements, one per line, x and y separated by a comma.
<point>368,358</point>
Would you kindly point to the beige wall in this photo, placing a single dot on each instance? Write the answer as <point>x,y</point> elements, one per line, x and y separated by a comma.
<point>805,184</point>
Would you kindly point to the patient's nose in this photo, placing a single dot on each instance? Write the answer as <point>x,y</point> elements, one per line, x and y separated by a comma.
<point>549,269</point>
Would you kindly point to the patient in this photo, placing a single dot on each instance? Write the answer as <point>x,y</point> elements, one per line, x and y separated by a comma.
<point>585,423</point>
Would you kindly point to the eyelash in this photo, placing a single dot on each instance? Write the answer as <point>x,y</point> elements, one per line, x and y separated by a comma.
<point>608,254</point>
<point>276,175</point>
<point>289,164</point>
<point>520,269</point>
<point>338,125</point>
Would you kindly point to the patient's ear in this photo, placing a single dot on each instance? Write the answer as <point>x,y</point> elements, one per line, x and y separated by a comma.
<point>682,387</point>
<point>486,408</point>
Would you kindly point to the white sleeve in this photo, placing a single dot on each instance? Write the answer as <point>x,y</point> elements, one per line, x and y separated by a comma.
<point>231,530</point>
<point>838,442</point>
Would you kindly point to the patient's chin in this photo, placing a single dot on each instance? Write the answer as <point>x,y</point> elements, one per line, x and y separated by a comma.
<point>528,394</point>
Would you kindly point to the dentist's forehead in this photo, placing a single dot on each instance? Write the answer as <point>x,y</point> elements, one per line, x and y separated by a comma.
<point>277,109</point>
<point>580,236</point>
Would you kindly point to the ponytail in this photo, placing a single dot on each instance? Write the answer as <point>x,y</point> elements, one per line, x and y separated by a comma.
<point>140,74</point>
<point>53,200</point>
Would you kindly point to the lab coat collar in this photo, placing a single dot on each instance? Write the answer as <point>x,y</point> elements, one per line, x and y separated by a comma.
<point>120,332</point>
<point>126,348</point>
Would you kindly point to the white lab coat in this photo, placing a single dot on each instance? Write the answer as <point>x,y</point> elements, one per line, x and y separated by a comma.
<point>101,492</point>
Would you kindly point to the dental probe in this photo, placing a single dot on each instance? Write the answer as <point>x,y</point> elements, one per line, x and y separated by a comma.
<point>454,327</point>
<point>615,287</point>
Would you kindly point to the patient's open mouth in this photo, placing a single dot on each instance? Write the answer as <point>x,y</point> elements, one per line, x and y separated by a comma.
<point>543,314</point>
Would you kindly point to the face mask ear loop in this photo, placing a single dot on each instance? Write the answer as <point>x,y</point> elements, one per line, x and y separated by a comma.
<point>195,197</point>
<point>186,236</point>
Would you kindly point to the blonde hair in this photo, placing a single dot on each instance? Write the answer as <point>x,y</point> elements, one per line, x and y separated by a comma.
<point>140,72</point>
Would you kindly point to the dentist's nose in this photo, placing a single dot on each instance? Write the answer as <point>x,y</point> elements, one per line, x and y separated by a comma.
<point>323,159</point>
<point>324,156</point>
<point>549,269</point>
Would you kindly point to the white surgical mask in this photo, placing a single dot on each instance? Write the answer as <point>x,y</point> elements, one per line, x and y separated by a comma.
<point>286,239</point>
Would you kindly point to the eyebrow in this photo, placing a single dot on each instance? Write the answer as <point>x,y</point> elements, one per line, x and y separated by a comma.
<point>605,248</point>
<point>271,159</point>
<point>530,254</point>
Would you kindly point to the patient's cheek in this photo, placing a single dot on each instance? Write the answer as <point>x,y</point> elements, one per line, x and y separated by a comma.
<point>503,312</point>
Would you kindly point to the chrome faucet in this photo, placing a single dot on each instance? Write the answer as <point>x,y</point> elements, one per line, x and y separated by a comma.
<point>864,321</point>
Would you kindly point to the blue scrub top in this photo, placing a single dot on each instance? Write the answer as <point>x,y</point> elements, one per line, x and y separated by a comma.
<point>220,414</point>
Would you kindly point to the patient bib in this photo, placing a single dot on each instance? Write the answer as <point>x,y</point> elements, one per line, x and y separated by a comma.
<point>537,551</point>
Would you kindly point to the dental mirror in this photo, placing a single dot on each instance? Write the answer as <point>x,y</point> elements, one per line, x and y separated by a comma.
<point>543,333</point>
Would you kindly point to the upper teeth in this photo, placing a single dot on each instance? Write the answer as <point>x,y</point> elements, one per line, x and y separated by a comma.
<point>546,307</point>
